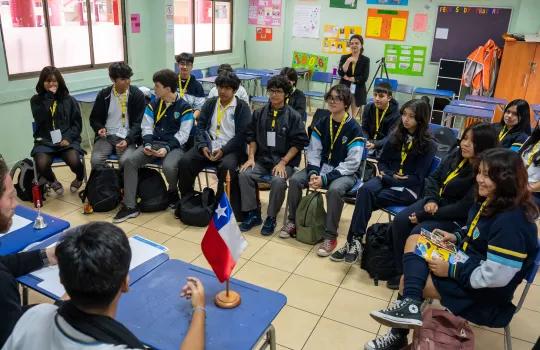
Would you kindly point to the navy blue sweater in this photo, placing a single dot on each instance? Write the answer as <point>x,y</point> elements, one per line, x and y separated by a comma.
<point>369,124</point>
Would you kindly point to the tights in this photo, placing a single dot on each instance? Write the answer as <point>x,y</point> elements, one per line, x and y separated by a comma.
<point>71,157</point>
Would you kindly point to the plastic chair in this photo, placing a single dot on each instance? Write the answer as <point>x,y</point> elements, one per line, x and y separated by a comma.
<point>393,82</point>
<point>319,77</point>
<point>262,99</point>
<point>434,127</point>
<point>212,71</point>
<point>197,73</point>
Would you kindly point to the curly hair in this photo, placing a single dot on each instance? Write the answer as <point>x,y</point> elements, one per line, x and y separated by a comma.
<point>421,110</point>
<point>343,93</point>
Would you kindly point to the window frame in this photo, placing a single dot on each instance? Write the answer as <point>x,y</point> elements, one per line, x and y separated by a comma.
<point>73,69</point>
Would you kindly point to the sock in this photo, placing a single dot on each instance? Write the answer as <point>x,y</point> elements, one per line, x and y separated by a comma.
<point>415,272</point>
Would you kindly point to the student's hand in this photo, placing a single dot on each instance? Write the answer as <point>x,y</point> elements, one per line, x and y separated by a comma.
<point>439,267</point>
<point>102,132</point>
<point>217,155</point>
<point>121,146</point>
<point>400,177</point>
<point>206,153</point>
<point>370,145</point>
<point>250,163</point>
<point>279,170</point>
<point>51,255</point>
<point>431,208</point>
<point>194,290</point>
<point>64,143</point>
<point>316,182</point>
<point>161,153</point>
<point>148,151</point>
<point>447,236</point>
<point>413,219</point>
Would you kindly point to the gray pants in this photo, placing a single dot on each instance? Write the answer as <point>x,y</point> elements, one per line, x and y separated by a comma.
<point>334,199</point>
<point>104,147</point>
<point>248,188</point>
<point>136,160</point>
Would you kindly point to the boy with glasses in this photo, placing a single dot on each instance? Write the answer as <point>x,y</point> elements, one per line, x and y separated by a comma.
<point>189,88</point>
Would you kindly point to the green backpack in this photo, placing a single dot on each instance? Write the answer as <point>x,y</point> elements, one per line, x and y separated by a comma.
<point>310,218</point>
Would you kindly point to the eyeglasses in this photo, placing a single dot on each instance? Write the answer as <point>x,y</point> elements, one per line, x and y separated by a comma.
<point>274,92</point>
<point>333,99</point>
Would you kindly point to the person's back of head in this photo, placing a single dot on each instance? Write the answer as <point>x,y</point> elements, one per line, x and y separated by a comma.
<point>224,67</point>
<point>93,260</point>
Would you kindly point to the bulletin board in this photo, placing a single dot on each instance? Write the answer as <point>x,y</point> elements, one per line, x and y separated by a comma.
<point>309,61</point>
<point>459,30</point>
<point>386,24</point>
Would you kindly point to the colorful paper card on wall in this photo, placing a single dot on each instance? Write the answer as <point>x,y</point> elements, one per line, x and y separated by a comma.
<point>309,61</point>
<point>135,22</point>
<point>420,22</point>
<point>263,34</point>
<point>343,4</point>
<point>388,2</point>
<point>386,24</point>
<point>265,12</point>
<point>405,59</point>
<point>307,20</point>
<point>336,38</point>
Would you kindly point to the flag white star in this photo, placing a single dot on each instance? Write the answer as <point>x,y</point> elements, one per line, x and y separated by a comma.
<point>220,211</point>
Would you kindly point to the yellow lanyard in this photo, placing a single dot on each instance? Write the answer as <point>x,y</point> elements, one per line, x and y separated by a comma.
<point>274,120</point>
<point>503,133</point>
<point>160,114</point>
<point>404,153</point>
<point>332,138</point>
<point>52,108</point>
<point>183,88</point>
<point>452,176</point>
<point>473,224</point>
<point>220,112</point>
<point>378,121</point>
<point>122,98</point>
<point>533,153</point>
<point>353,68</point>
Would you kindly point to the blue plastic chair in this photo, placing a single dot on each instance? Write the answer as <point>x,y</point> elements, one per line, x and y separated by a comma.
<point>393,82</point>
<point>197,73</point>
<point>319,77</point>
<point>434,127</point>
<point>212,71</point>
<point>262,99</point>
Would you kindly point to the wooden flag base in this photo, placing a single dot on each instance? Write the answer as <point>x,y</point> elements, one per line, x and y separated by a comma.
<point>229,301</point>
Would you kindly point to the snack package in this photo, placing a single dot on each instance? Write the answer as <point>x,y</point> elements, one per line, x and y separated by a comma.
<point>430,245</point>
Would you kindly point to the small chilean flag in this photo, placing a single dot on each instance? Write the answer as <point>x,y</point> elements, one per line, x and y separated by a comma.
<point>223,243</point>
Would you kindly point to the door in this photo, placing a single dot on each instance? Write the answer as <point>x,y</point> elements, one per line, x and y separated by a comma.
<point>533,85</point>
<point>514,74</point>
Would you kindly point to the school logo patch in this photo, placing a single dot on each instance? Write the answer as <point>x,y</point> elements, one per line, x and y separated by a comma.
<point>475,233</point>
<point>176,115</point>
<point>344,140</point>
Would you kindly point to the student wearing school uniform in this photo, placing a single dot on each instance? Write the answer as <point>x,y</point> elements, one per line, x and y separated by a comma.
<point>189,88</point>
<point>530,153</point>
<point>333,156</point>
<point>403,165</point>
<point>495,251</point>
<point>448,194</point>
<point>354,72</point>
<point>219,141</point>
<point>296,99</point>
<point>93,263</point>
<point>58,125</point>
<point>240,93</point>
<point>166,127</point>
<point>116,116</point>
<point>276,136</point>
<point>515,126</point>
<point>380,116</point>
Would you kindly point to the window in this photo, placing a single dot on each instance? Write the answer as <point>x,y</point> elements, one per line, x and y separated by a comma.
<point>202,26</point>
<point>68,34</point>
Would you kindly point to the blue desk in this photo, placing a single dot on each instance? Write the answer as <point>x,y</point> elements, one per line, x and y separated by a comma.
<point>434,92</point>
<point>536,111</point>
<point>18,240</point>
<point>461,111</point>
<point>86,97</point>
<point>154,311</point>
<point>474,104</point>
<point>486,99</point>
<point>255,72</point>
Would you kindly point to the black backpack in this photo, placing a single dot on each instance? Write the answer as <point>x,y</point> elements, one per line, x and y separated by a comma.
<point>151,191</point>
<point>378,253</point>
<point>25,180</point>
<point>446,141</point>
<point>102,189</point>
<point>196,208</point>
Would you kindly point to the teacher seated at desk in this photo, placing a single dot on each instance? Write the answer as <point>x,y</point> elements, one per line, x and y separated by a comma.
<point>14,265</point>
<point>93,260</point>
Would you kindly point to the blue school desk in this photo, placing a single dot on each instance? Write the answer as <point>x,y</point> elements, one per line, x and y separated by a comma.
<point>536,111</point>
<point>463,112</point>
<point>501,102</point>
<point>16,241</point>
<point>154,311</point>
<point>474,104</point>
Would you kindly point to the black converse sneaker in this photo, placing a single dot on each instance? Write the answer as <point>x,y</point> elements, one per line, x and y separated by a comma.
<point>404,313</point>
<point>354,252</point>
<point>388,341</point>
<point>339,255</point>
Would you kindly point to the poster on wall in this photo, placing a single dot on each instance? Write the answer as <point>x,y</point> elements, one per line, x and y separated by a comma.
<point>263,34</point>
<point>405,59</point>
<point>309,61</point>
<point>336,38</point>
<point>265,12</point>
<point>386,24</point>
<point>343,4</point>
<point>420,22</point>
<point>307,21</point>
<point>388,2</point>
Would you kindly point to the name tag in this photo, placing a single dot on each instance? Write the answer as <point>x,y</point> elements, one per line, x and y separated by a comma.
<point>56,136</point>
<point>326,168</point>
<point>271,138</point>
<point>353,88</point>
<point>461,257</point>
<point>122,133</point>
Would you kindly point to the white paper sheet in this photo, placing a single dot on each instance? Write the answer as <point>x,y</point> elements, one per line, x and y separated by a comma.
<point>441,33</point>
<point>307,21</point>
<point>18,223</point>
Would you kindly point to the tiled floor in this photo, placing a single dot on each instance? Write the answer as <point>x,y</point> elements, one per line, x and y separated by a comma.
<point>328,303</point>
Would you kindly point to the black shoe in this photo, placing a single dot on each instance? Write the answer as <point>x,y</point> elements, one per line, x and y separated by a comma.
<point>388,341</point>
<point>354,252</point>
<point>401,314</point>
<point>339,255</point>
<point>125,213</point>
<point>393,283</point>
<point>269,226</point>
<point>251,219</point>
<point>172,198</point>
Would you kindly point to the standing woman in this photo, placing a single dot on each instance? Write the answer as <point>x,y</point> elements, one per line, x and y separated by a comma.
<point>515,125</point>
<point>57,131</point>
<point>354,72</point>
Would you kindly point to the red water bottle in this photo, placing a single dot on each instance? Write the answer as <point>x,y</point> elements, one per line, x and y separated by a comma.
<point>36,195</point>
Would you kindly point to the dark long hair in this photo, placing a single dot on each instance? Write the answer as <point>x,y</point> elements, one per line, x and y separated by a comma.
<point>524,116</point>
<point>422,136</point>
<point>531,141</point>
<point>484,136</point>
<point>507,171</point>
<point>46,72</point>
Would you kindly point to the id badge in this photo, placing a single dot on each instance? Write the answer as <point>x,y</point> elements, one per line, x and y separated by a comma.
<point>122,133</point>
<point>271,138</point>
<point>353,88</point>
<point>461,257</point>
<point>326,168</point>
<point>56,136</point>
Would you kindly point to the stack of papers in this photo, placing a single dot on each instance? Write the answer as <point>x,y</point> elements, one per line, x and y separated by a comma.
<point>18,223</point>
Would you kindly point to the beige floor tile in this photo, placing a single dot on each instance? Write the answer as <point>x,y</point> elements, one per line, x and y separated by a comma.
<point>353,309</point>
<point>486,339</point>
<point>69,197</point>
<point>279,256</point>
<point>291,242</point>
<point>322,269</point>
<point>147,233</point>
<point>307,294</point>
<point>77,218</point>
<point>183,250</point>
<point>59,208</point>
<point>359,281</point>
<point>293,327</point>
<point>166,223</point>
<point>329,334</point>
<point>262,275</point>
<point>532,300</point>
<point>126,226</point>
<point>202,262</point>
<point>143,218</point>
<point>254,244</point>
<point>525,325</point>
<point>192,234</point>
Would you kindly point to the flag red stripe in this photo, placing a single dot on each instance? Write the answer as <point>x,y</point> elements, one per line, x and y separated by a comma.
<point>217,253</point>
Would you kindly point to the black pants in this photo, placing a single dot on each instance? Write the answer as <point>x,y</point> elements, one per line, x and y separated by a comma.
<point>193,162</point>
<point>402,228</point>
<point>70,156</point>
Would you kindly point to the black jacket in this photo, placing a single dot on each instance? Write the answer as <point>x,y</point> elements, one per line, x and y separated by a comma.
<point>297,101</point>
<point>290,132</point>
<point>242,118</point>
<point>11,267</point>
<point>369,124</point>
<point>135,110</point>
<point>361,74</point>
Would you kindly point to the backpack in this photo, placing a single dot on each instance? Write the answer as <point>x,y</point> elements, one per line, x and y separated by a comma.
<point>378,253</point>
<point>151,191</point>
<point>25,180</point>
<point>196,208</point>
<point>442,331</point>
<point>102,189</point>
<point>310,218</point>
<point>446,141</point>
